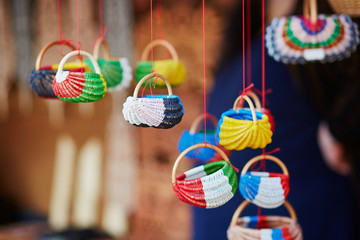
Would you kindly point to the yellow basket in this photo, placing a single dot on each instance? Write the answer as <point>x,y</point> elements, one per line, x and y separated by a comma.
<point>350,7</point>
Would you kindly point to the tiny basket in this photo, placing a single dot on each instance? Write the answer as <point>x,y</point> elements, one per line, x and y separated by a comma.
<point>172,69</point>
<point>79,86</point>
<point>242,128</point>
<point>349,7</point>
<point>41,78</point>
<point>265,189</point>
<point>157,111</point>
<point>207,186</point>
<point>194,136</point>
<point>264,227</point>
<point>312,37</point>
<point>117,71</point>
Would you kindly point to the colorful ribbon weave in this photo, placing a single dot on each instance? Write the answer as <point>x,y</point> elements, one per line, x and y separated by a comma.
<point>158,111</point>
<point>117,73</point>
<point>207,186</point>
<point>173,70</point>
<point>41,81</point>
<point>264,189</point>
<point>295,39</point>
<point>237,130</point>
<point>265,228</point>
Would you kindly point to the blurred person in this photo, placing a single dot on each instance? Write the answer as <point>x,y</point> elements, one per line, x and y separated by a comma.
<point>317,133</point>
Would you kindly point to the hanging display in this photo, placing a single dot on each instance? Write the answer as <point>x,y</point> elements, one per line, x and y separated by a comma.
<point>158,111</point>
<point>194,136</point>
<point>312,37</point>
<point>244,127</point>
<point>264,227</point>
<point>207,186</point>
<point>117,71</point>
<point>265,189</point>
<point>41,77</point>
<point>172,69</point>
<point>79,86</point>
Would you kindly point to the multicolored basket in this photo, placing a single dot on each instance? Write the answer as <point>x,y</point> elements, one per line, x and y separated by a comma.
<point>264,227</point>
<point>207,186</point>
<point>241,128</point>
<point>158,111</point>
<point>79,86</point>
<point>41,78</point>
<point>312,37</point>
<point>192,137</point>
<point>265,189</point>
<point>350,7</point>
<point>173,69</point>
<point>117,71</point>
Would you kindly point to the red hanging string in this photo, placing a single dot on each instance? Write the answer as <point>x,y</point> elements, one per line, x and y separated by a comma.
<point>151,36</point>
<point>100,16</point>
<point>204,67</point>
<point>248,40</point>
<point>263,51</point>
<point>59,19</point>
<point>243,41</point>
<point>77,24</point>
<point>159,20</point>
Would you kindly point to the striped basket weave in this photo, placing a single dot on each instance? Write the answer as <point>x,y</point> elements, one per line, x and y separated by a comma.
<point>264,227</point>
<point>41,78</point>
<point>241,128</point>
<point>264,189</point>
<point>117,71</point>
<point>301,39</point>
<point>79,86</point>
<point>172,69</point>
<point>207,186</point>
<point>158,111</point>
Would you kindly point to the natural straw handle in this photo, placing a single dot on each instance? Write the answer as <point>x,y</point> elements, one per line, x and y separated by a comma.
<point>245,203</point>
<point>98,43</point>
<point>44,49</point>
<point>310,10</point>
<point>186,151</point>
<point>255,98</point>
<point>137,88</point>
<point>74,53</point>
<point>251,105</point>
<point>161,42</point>
<point>267,157</point>
<point>197,121</point>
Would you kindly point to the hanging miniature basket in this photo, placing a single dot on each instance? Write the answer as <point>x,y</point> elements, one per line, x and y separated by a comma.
<point>79,86</point>
<point>259,108</point>
<point>158,111</point>
<point>241,128</point>
<point>194,136</point>
<point>117,71</point>
<point>207,186</point>
<point>312,37</point>
<point>264,227</point>
<point>265,189</point>
<point>41,78</point>
<point>350,7</point>
<point>172,69</point>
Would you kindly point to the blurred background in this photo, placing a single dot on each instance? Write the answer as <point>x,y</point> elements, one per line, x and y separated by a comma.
<point>135,163</point>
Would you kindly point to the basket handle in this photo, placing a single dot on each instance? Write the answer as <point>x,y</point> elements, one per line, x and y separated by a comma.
<point>267,157</point>
<point>251,105</point>
<point>197,121</point>
<point>186,151</point>
<point>310,10</point>
<point>44,49</point>
<point>161,42</point>
<point>73,53</point>
<point>137,88</point>
<point>245,203</point>
<point>98,43</point>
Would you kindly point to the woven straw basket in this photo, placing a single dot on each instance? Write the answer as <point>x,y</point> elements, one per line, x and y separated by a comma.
<point>350,7</point>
